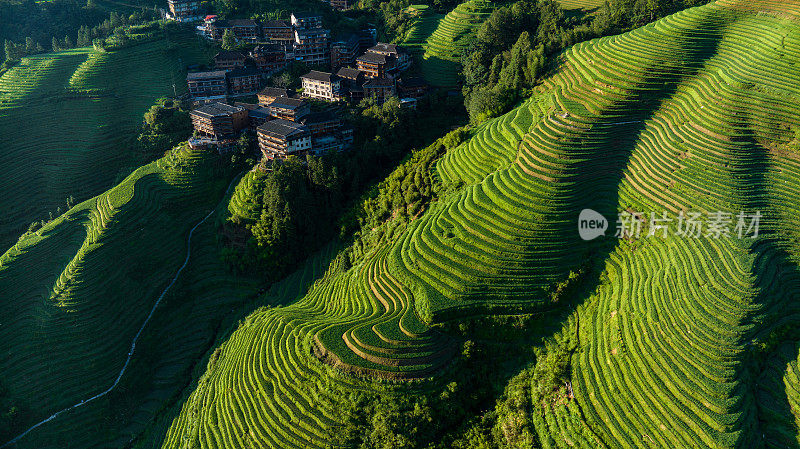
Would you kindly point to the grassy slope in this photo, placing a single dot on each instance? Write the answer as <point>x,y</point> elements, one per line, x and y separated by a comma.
<point>444,39</point>
<point>667,341</point>
<point>68,120</point>
<point>582,5</point>
<point>693,111</point>
<point>78,291</point>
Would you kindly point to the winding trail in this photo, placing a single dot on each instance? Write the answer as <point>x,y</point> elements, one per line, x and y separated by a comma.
<point>138,334</point>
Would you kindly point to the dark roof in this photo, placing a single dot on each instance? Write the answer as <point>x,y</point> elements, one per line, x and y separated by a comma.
<point>319,117</point>
<point>282,129</point>
<point>254,110</point>
<point>274,92</point>
<point>216,110</point>
<point>243,71</point>
<point>387,48</point>
<point>206,75</point>
<point>379,82</point>
<point>286,103</point>
<point>414,81</point>
<point>227,54</point>
<point>312,31</point>
<point>276,24</point>
<point>374,58</point>
<point>320,76</point>
<point>242,22</point>
<point>348,73</point>
<point>248,106</point>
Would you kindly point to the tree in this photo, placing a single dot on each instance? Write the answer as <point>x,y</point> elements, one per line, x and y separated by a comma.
<point>30,46</point>
<point>284,80</point>
<point>56,46</point>
<point>228,40</point>
<point>11,50</point>
<point>68,42</point>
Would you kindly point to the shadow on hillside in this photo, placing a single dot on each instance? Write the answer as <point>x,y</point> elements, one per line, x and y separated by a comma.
<point>774,341</point>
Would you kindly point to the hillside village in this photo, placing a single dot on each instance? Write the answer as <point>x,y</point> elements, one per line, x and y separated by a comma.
<point>425,255</point>
<point>342,73</point>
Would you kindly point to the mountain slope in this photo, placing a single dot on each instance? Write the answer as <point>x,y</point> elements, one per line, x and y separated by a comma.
<point>444,45</point>
<point>69,119</point>
<point>694,112</point>
<point>78,291</point>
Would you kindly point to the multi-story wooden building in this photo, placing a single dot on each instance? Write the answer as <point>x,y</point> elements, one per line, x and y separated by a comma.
<point>375,65</point>
<point>366,39</point>
<point>311,45</point>
<point>278,32</point>
<point>270,94</point>
<point>219,120</point>
<point>401,58</point>
<point>379,88</point>
<point>278,139</point>
<point>215,28</point>
<point>322,86</point>
<point>269,57</point>
<point>306,20</point>
<point>413,87</point>
<point>245,30</point>
<point>352,82</point>
<point>229,60</point>
<point>208,84</point>
<point>322,123</point>
<point>290,109</point>
<point>244,81</point>
<point>256,114</point>
<point>184,10</point>
<point>344,52</point>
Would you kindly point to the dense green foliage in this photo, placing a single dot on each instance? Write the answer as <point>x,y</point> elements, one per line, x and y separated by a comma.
<point>166,124</point>
<point>279,218</point>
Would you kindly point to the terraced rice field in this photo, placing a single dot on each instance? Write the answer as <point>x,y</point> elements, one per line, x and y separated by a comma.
<point>425,23</point>
<point>70,315</point>
<point>581,5</point>
<point>694,112</point>
<point>68,120</point>
<point>446,39</point>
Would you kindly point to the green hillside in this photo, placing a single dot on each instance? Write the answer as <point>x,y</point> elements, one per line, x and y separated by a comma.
<point>424,24</point>
<point>68,120</point>
<point>445,39</point>
<point>694,112</point>
<point>581,5</point>
<point>70,314</point>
